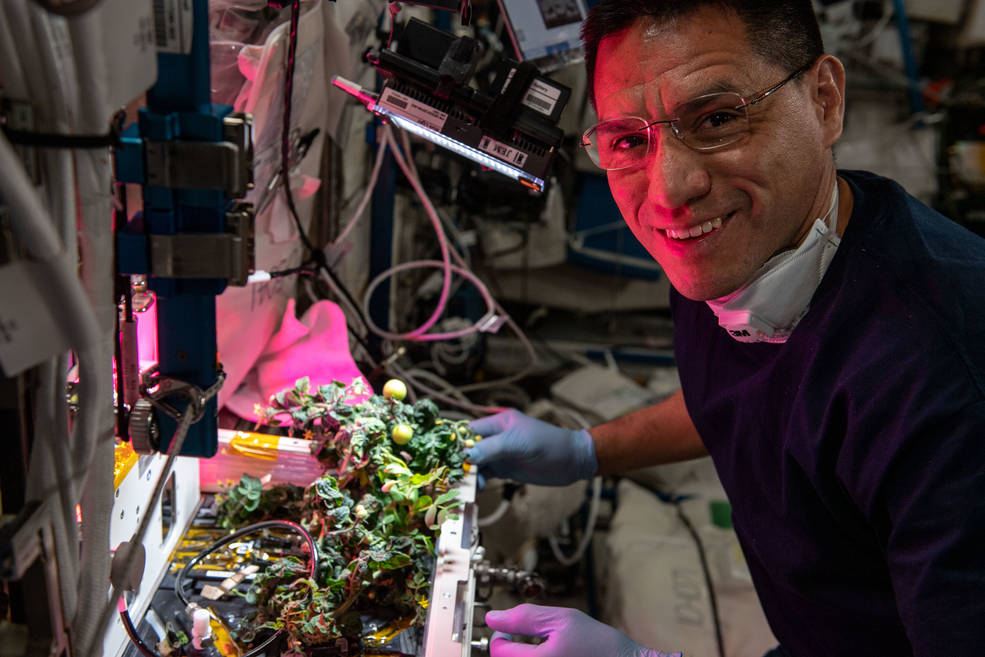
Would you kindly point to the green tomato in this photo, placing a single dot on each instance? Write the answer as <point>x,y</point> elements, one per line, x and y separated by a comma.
<point>402,433</point>
<point>394,389</point>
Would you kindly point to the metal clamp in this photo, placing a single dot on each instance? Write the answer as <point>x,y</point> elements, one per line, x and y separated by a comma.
<point>228,255</point>
<point>523,582</point>
<point>222,165</point>
<point>168,387</point>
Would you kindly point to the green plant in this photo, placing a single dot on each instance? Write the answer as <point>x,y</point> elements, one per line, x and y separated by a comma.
<point>372,515</point>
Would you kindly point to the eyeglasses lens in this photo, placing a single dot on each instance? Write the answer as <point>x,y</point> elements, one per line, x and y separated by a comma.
<point>705,123</point>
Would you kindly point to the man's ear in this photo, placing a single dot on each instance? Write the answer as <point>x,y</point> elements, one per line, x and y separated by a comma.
<point>828,94</point>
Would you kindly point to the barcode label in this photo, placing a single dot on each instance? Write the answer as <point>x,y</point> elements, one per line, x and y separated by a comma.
<point>542,97</point>
<point>399,102</point>
<point>414,110</point>
<point>538,102</point>
<point>514,156</point>
<point>173,25</point>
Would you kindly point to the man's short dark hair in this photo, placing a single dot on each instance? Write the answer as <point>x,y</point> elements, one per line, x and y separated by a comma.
<point>783,32</point>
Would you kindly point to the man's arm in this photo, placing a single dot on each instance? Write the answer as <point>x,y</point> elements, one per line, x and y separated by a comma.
<point>658,434</point>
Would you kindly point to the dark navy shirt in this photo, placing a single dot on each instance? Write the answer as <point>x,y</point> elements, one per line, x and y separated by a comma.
<point>854,453</point>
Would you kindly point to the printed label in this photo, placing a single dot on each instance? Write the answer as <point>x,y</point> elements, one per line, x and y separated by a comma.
<point>514,156</point>
<point>30,333</point>
<point>405,106</point>
<point>540,96</point>
<point>173,21</point>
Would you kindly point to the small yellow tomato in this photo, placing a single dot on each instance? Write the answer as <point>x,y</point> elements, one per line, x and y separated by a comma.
<point>402,433</point>
<point>394,389</point>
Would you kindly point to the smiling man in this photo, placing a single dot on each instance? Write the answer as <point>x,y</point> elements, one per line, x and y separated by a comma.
<point>829,333</point>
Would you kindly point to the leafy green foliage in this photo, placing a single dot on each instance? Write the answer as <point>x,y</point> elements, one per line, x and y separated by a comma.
<point>372,515</point>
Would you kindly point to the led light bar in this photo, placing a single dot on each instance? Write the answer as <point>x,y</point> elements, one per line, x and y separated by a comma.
<point>412,115</point>
<point>464,150</point>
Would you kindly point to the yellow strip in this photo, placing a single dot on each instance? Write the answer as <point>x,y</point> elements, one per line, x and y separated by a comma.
<point>124,460</point>
<point>255,445</point>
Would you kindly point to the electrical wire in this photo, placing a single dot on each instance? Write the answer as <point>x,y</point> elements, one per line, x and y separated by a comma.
<point>36,230</point>
<point>285,143</point>
<point>418,264</point>
<point>131,631</point>
<point>586,539</point>
<point>367,194</point>
<point>408,170</point>
<point>235,536</point>
<point>418,333</point>
<point>496,515</point>
<point>594,504</point>
<point>187,419</point>
<point>451,400</point>
<point>316,255</point>
<point>713,599</point>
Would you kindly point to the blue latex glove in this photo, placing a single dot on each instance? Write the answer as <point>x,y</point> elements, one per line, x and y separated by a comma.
<point>567,633</point>
<point>515,446</point>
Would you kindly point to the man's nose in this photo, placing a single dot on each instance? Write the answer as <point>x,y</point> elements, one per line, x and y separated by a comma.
<point>675,172</point>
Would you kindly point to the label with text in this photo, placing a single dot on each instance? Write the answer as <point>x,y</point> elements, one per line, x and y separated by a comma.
<point>409,108</point>
<point>514,156</point>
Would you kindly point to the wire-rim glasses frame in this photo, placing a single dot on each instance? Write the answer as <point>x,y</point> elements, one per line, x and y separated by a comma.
<point>631,131</point>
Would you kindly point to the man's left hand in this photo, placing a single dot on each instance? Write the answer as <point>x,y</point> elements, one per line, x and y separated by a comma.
<point>566,633</point>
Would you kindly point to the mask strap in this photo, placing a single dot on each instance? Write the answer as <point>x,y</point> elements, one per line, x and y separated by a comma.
<point>832,213</point>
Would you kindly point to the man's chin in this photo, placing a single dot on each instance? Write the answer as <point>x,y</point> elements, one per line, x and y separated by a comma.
<point>698,290</point>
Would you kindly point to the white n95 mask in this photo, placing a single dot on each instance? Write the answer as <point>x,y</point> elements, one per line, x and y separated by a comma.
<point>768,307</point>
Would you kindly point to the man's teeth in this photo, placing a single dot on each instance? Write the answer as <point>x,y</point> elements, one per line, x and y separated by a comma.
<point>694,231</point>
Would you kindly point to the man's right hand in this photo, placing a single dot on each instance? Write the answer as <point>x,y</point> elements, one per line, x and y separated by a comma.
<point>566,633</point>
<point>518,447</point>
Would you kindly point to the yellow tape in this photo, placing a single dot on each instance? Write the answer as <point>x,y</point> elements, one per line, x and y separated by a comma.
<point>255,445</point>
<point>124,458</point>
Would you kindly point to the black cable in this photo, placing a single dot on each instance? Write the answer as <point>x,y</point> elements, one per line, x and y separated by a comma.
<point>56,140</point>
<point>676,501</point>
<point>67,7</point>
<point>316,255</point>
<point>226,540</point>
<point>132,631</point>
<point>290,272</point>
<point>53,140</point>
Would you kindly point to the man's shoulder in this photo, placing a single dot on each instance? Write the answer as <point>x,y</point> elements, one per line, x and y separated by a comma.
<point>892,231</point>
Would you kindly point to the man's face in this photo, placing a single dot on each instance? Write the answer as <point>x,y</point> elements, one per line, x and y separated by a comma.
<point>750,199</point>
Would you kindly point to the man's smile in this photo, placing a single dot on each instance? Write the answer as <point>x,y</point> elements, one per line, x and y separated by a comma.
<point>696,231</point>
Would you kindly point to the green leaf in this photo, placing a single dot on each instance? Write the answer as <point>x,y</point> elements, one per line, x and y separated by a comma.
<point>425,412</point>
<point>301,387</point>
<point>394,561</point>
<point>447,496</point>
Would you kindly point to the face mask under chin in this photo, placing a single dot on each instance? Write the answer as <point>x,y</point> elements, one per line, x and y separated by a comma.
<point>768,307</point>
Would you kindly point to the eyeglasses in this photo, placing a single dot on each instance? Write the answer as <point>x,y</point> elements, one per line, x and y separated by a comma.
<point>703,123</point>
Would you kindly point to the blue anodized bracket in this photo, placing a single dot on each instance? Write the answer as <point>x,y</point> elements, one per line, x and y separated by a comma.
<point>178,111</point>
